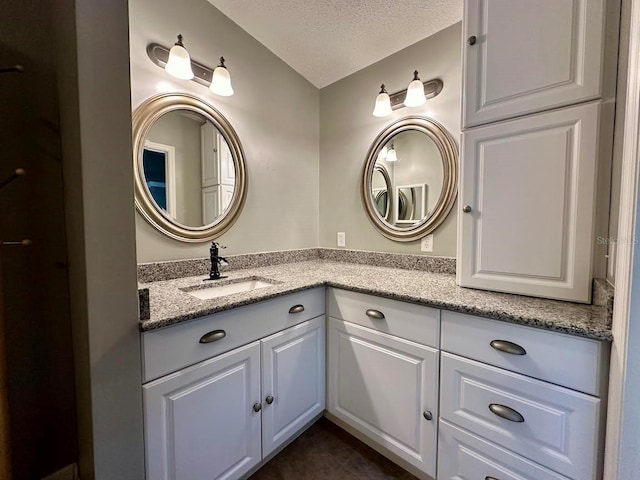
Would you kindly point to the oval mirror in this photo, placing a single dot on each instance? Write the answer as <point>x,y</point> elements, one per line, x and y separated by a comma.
<point>409,182</point>
<point>189,167</point>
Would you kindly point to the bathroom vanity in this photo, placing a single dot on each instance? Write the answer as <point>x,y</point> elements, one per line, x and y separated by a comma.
<point>443,380</point>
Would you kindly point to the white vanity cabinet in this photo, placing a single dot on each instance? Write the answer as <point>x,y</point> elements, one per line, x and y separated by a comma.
<point>517,402</point>
<point>530,55</point>
<point>383,373</point>
<point>220,417</point>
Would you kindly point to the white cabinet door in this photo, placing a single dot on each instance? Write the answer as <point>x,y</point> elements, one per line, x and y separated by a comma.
<point>529,187</point>
<point>200,423</point>
<point>210,142</point>
<point>529,56</point>
<point>385,387</point>
<point>293,381</point>
<point>210,204</point>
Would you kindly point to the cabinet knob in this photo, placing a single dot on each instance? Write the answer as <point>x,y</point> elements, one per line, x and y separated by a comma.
<point>375,314</point>
<point>427,415</point>
<point>507,347</point>
<point>471,40</point>
<point>466,209</point>
<point>505,412</point>
<point>296,309</point>
<point>269,400</point>
<point>257,407</point>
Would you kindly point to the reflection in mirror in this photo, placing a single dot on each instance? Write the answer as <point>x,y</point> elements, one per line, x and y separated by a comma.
<point>189,167</point>
<point>381,189</point>
<point>418,186</point>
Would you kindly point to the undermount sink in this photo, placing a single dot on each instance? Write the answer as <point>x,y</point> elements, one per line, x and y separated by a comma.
<point>229,287</point>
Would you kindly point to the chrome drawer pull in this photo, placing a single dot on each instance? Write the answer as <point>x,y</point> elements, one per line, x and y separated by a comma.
<point>508,347</point>
<point>213,336</point>
<point>490,478</point>
<point>296,309</point>
<point>505,412</point>
<point>375,314</point>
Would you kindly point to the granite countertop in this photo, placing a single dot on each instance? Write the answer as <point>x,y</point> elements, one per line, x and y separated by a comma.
<point>170,305</point>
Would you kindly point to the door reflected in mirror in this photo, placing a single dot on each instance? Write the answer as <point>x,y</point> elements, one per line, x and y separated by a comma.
<point>188,168</point>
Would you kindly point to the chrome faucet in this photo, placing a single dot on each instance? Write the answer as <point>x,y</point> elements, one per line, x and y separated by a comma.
<point>216,261</point>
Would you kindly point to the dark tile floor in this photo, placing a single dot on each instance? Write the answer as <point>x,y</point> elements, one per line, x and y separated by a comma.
<point>325,451</point>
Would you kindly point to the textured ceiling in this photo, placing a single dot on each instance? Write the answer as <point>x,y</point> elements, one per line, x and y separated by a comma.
<point>326,40</point>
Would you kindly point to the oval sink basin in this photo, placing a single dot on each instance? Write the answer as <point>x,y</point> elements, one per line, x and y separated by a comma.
<point>229,287</point>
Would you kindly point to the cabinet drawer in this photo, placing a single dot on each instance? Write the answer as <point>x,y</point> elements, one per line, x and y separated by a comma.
<point>573,362</point>
<point>551,425</point>
<point>170,349</point>
<point>406,320</point>
<point>464,455</point>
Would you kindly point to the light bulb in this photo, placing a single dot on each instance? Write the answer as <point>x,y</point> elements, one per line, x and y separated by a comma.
<point>221,80</point>
<point>383,103</point>
<point>415,92</point>
<point>179,63</point>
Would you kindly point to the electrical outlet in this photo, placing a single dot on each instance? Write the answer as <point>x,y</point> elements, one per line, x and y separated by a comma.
<point>342,242</point>
<point>426,244</point>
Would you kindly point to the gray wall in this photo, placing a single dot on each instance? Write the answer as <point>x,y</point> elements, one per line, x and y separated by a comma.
<point>91,55</point>
<point>274,111</point>
<point>347,129</point>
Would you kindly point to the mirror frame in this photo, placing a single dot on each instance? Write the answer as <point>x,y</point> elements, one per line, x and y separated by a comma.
<point>143,119</point>
<point>449,153</point>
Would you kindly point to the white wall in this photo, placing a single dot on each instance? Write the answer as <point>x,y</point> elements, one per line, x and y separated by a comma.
<point>347,129</point>
<point>274,111</point>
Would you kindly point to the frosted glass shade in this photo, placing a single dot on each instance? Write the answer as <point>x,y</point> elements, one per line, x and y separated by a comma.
<point>415,94</point>
<point>179,63</point>
<point>383,105</point>
<point>221,82</point>
<point>391,155</point>
<point>383,153</point>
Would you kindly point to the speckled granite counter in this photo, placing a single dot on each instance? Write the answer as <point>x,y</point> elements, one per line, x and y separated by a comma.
<point>169,304</point>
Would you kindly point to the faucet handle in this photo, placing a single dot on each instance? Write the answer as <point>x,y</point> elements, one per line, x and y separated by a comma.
<point>216,244</point>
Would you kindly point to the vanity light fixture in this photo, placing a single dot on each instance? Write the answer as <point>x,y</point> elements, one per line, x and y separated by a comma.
<point>218,80</point>
<point>415,92</point>
<point>179,63</point>
<point>408,97</point>
<point>391,154</point>
<point>383,103</point>
<point>221,80</point>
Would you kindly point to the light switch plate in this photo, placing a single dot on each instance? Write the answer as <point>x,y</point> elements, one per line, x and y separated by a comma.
<point>426,244</point>
<point>342,242</point>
